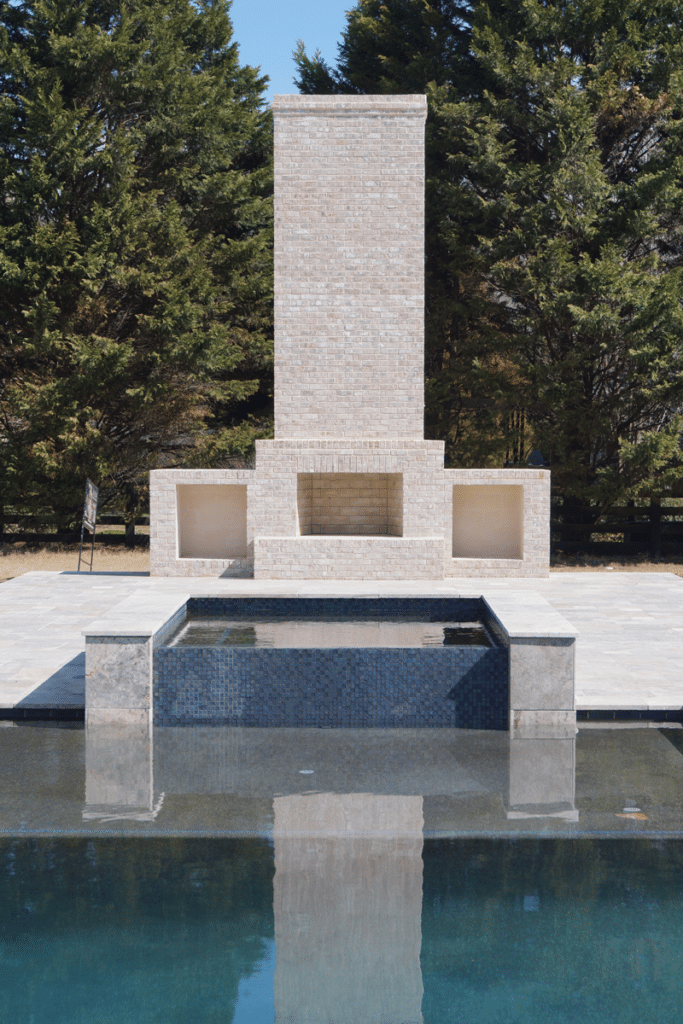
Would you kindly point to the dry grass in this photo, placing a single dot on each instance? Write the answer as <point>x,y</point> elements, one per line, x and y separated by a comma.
<point>16,559</point>
<point>616,563</point>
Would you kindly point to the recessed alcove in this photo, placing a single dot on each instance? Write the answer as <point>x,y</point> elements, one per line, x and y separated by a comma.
<point>488,521</point>
<point>212,520</point>
<point>350,504</point>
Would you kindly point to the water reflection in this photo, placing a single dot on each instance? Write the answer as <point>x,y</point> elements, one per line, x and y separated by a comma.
<point>347,903</point>
<point>119,776</point>
<point>542,779</point>
<point>347,897</point>
<point>213,777</point>
<point>347,891</point>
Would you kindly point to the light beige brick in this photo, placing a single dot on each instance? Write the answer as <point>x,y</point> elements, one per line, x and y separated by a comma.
<point>349,488</point>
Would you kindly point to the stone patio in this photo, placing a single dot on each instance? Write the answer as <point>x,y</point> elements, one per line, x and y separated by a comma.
<point>629,653</point>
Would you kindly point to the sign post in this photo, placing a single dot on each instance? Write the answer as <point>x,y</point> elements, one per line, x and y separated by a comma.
<point>89,518</point>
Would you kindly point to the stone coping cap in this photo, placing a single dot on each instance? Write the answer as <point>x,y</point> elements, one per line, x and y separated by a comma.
<point>486,476</point>
<point>349,538</point>
<point>412,104</point>
<point>525,614</point>
<point>327,589</point>
<point>521,614</point>
<point>200,476</point>
<point>143,613</point>
<point>350,443</point>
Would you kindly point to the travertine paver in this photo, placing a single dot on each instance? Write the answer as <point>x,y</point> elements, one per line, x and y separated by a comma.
<point>629,651</point>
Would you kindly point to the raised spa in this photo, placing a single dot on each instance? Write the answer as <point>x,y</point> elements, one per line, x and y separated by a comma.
<point>333,663</point>
<point>486,661</point>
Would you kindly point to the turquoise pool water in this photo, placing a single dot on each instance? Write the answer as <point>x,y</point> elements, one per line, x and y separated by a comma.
<point>102,931</point>
<point>369,877</point>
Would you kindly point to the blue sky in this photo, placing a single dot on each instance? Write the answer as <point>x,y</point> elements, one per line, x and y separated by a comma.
<point>267,32</point>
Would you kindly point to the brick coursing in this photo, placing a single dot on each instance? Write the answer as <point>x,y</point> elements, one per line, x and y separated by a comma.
<point>349,266</point>
<point>349,358</point>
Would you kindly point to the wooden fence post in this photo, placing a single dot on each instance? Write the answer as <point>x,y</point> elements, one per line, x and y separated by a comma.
<point>655,529</point>
<point>129,539</point>
<point>629,519</point>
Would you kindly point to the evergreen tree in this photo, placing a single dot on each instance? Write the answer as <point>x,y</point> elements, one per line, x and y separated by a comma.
<point>135,245</point>
<point>393,48</point>
<point>554,234</point>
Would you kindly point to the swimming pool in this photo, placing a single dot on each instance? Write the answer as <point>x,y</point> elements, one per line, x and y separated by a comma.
<point>134,930</point>
<point>362,875</point>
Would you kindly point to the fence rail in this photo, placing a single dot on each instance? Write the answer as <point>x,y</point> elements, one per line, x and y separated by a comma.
<point>19,519</point>
<point>655,529</point>
<point>13,529</point>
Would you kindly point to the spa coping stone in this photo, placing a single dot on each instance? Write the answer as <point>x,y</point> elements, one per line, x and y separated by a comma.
<point>119,652</point>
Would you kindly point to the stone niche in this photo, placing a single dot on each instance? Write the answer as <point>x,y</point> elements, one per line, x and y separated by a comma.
<point>488,521</point>
<point>499,522</point>
<point>212,520</point>
<point>200,522</point>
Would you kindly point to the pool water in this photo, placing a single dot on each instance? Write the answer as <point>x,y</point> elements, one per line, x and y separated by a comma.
<point>365,876</point>
<point>106,931</point>
<point>327,632</point>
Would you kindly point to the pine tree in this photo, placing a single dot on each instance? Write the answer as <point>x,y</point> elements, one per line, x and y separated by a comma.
<point>135,245</point>
<point>555,200</point>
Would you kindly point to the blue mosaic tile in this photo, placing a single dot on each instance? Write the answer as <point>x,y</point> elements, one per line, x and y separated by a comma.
<point>333,688</point>
<point>463,687</point>
<point>419,609</point>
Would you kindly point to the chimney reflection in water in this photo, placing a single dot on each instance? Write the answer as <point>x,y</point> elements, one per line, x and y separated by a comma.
<point>348,907</point>
<point>348,866</point>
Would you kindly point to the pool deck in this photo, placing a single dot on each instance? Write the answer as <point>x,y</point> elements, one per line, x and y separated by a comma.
<point>629,650</point>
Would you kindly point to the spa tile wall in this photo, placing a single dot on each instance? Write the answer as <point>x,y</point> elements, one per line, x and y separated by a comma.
<point>335,688</point>
<point>418,609</point>
<point>463,687</point>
